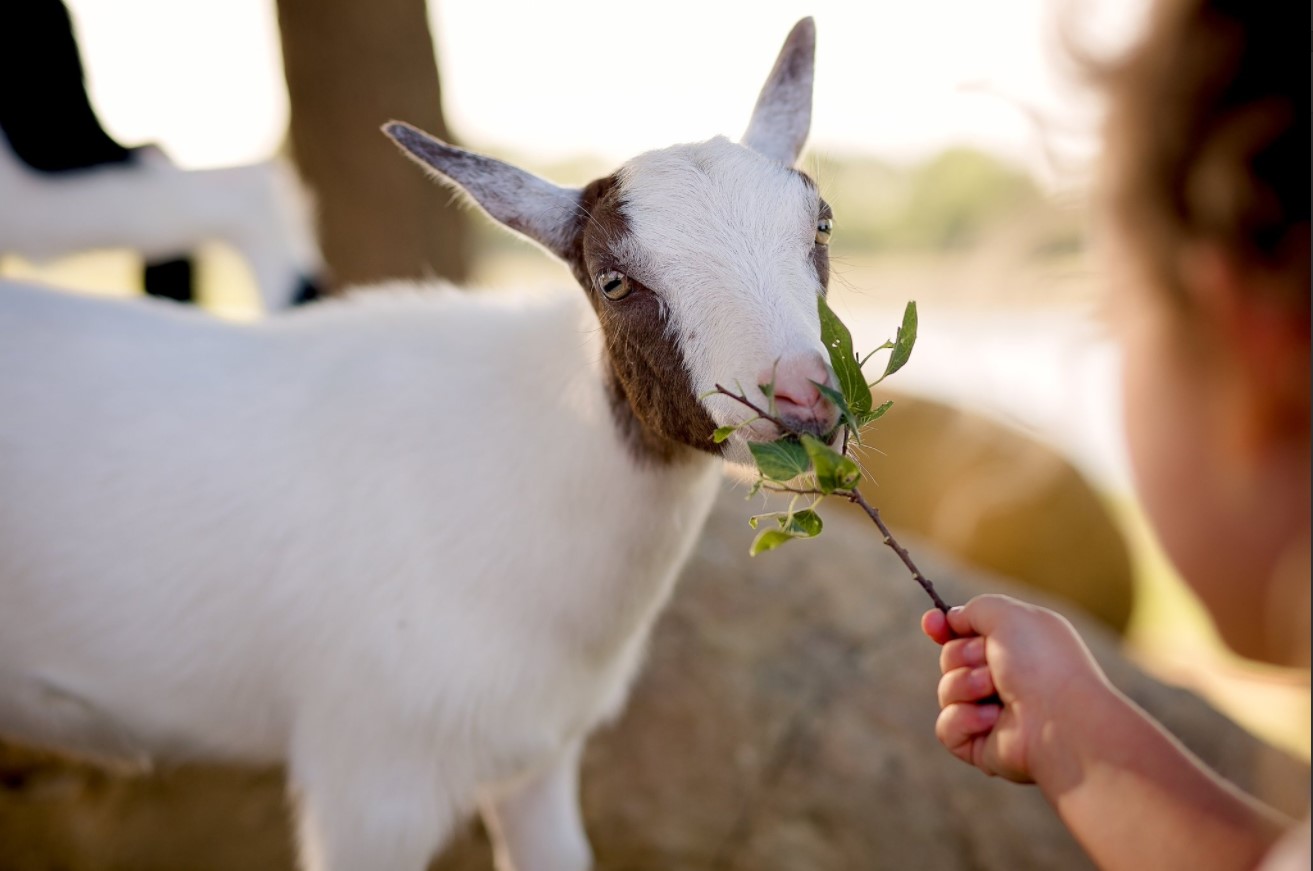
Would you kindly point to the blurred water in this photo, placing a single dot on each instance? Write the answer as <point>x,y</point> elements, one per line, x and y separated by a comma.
<point>1052,373</point>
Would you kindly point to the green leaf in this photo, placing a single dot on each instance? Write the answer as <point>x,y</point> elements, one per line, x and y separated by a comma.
<point>840,403</point>
<point>887,345</point>
<point>768,390</point>
<point>903,342</point>
<point>781,460</point>
<point>755,488</point>
<point>833,470</point>
<point>768,539</point>
<point>724,432</point>
<point>877,413</point>
<point>788,525</point>
<point>843,360</point>
<point>804,524</point>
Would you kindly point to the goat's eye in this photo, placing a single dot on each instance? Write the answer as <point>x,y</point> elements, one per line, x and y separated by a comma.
<point>613,285</point>
<point>824,227</point>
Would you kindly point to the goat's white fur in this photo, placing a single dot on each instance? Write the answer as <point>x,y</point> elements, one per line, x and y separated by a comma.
<point>153,207</point>
<point>736,258</point>
<point>396,541</point>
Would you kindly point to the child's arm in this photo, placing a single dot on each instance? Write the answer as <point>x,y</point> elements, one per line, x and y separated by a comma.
<point>1129,792</point>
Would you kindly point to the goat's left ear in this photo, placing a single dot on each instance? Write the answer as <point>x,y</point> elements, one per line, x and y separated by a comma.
<point>544,212</point>
<point>783,114</point>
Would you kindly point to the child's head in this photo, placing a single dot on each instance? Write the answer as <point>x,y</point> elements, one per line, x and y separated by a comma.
<point>1207,184</point>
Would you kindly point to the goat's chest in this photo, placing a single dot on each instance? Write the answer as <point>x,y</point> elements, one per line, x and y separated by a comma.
<point>561,608</point>
<point>544,630</point>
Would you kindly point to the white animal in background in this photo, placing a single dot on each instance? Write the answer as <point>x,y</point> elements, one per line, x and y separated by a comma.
<point>412,542</point>
<point>151,206</point>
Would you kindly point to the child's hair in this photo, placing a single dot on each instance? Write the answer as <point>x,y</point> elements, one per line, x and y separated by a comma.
<point>1208,138</point>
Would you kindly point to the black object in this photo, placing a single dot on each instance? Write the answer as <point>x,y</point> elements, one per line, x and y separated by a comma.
<point>48,120</point>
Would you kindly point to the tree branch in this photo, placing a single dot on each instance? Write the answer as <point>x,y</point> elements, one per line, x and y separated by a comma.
<point>762,413</point>
<point>774,487</point>
<point>853,495</point>
<point>856,497</point>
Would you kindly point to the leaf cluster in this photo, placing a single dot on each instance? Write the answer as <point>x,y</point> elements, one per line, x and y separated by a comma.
<point>801,464</point>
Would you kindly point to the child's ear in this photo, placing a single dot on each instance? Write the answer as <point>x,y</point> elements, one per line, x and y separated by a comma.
<point>1257,320</point>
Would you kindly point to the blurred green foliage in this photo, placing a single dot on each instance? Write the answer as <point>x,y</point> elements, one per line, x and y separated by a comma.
<point>952,200</point>
<point>949,201</point>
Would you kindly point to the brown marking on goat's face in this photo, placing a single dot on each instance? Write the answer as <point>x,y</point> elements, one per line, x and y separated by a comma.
<point>651,392</point>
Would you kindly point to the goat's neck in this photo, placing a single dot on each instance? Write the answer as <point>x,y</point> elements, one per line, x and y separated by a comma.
<point>646,445</point>
<point>656,520</point>
<point>647,516</point>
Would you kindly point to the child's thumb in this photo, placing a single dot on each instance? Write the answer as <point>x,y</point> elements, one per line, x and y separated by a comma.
<point>981,616</point>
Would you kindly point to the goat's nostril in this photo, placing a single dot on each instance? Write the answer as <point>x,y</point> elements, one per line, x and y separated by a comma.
<point>795,381</point>
<point>803,396</point>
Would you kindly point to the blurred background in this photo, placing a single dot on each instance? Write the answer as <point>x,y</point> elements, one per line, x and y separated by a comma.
<point>956,141</point>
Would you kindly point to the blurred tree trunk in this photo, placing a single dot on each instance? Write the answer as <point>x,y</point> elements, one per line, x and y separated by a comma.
<point>351,66</point>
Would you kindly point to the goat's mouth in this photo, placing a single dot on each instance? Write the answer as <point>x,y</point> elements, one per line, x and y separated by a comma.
<point>811,427</point>
<point>768,431</point>
<point>764,421</point>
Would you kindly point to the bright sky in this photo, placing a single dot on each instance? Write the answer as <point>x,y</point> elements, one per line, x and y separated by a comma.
<point>898,79</point>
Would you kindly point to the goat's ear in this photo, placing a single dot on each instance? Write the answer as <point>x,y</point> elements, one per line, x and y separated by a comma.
<point>521,200</point>
<point>783,114</point>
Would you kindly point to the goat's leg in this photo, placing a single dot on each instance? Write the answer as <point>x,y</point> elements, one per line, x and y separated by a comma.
<point>374,812</point>
<point>272,230</point>
<point>171,279</point>
<point>538,826</point>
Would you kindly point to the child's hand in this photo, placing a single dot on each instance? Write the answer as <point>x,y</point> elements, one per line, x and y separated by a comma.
<point>1023,699</point>
<point>1015,677</point>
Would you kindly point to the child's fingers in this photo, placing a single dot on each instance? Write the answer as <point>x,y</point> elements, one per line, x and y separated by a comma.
<point>962,653</point>
<point>935,625</point>
<point>965,685</point>
<point>960,724</point>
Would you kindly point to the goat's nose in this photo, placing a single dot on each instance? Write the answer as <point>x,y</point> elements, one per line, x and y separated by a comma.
<point>797,399</point>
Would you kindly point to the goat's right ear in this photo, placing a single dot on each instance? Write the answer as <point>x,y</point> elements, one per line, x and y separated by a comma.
<point>544,212</point>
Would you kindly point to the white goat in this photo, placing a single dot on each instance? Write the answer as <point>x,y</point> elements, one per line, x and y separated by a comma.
<point>151,206</point>
<point>420,562</point>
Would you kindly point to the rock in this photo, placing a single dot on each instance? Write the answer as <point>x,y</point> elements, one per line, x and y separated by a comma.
<point>784,721</point>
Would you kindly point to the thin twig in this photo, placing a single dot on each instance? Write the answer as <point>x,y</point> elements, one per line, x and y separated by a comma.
<point>773,487</point>
<point>856,497</point>
<point>762,413</point>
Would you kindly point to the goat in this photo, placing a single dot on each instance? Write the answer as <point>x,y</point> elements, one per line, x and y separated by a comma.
<point>52,132</point>
<point>149,205</point>
<point>421,563</point>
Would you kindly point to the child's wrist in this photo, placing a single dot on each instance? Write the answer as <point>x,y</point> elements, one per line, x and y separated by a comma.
<point>1087,715</point>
